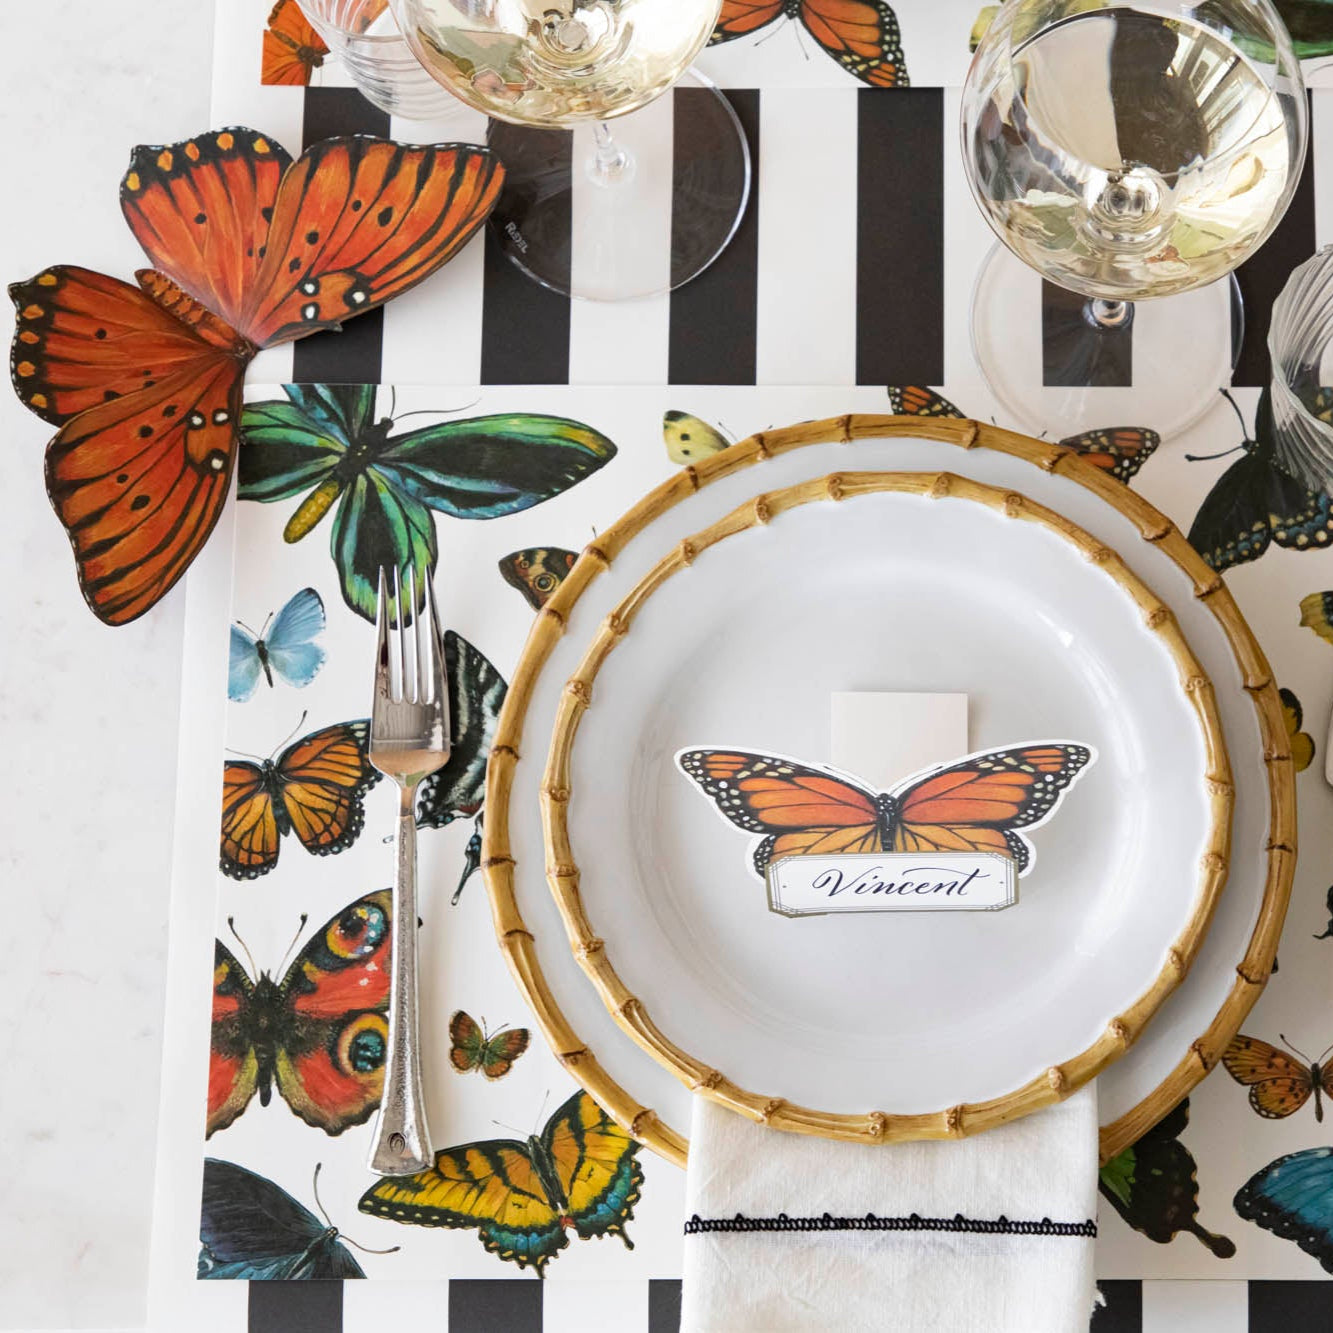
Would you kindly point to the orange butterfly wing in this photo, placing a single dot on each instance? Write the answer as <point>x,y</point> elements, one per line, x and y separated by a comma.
<point>323,778</point>
<point>978,804</point>
<point>862,36</point>
<point>293,50</point>
<point>915,400</point>
<point>250,835</point>
<point>741,17</point>
<point>201,208</point>
<point>1119,450</point>
<point>359,220</point>
<point>1279,1085</point>
<point>233,1068</point>
<point>802,810</point>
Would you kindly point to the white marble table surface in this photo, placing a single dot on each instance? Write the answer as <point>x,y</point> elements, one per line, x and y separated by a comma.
<point>88,714</point>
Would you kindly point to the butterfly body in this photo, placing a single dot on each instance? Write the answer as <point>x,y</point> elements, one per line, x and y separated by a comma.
<point>975,805</point>
<point>580,1174</point>
<point>315,789</point>
<point>250,1228</point>
<point>248,249</point>
<point>1279,1083</point>
<point>319,1036</point>
<point>861,35</point>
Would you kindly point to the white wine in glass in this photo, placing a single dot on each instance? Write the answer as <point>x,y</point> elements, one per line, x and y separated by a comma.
<point>1127,153</point>
<point>577,64</point>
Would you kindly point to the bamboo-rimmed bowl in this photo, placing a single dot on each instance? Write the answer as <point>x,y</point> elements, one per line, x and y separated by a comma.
<point>515,937</point>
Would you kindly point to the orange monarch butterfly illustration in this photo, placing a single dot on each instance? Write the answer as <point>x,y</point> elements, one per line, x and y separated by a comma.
<point>1279,1084</point>
<point>974,805</point>
<point>861,35</point>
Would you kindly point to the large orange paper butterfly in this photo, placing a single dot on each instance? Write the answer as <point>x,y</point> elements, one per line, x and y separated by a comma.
<point>293,50</point>
<point>248,249</point>
<point>861,35</point>
<point>313,789</point>
<point>975,805</point>
<point>1279,1084</point>
<point>320,1034</point>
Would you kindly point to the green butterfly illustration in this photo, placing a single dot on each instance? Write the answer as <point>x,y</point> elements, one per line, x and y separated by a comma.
<point>324,440</point>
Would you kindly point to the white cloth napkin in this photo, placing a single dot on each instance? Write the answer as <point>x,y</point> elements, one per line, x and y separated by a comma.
<point>991,1234</point>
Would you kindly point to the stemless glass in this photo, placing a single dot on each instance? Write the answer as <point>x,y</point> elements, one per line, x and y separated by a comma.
<point>1126,152</point>
<point>641,211</point>
<point>1300,348</point>
<point>365,38</point>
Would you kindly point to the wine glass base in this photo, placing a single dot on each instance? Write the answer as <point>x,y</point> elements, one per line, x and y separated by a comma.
<point>641,230</point>
<point>1057,372</point>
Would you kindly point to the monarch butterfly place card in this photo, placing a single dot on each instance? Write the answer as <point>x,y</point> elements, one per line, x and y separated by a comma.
<point>945,839</point>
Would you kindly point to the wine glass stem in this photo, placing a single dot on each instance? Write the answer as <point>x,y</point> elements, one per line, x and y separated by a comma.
<point>1109,315</point>
<point>610,162</point>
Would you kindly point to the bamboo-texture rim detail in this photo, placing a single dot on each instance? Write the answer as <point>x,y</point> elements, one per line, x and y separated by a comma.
<point>1051,1084</point>
<point>517,941</point>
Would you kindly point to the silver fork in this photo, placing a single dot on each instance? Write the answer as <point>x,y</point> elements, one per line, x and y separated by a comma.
<point>409,739</point>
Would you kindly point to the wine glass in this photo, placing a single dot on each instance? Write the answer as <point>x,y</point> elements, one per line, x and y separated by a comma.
<point>609,217</point>
<point>1125,152</point>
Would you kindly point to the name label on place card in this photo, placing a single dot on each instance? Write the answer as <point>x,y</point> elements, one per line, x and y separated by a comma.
<point>892,882</point>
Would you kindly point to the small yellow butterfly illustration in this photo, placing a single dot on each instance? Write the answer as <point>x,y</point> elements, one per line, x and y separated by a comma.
<point>690,438</point>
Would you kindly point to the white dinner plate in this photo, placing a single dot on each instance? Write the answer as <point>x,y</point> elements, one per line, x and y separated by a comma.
<point>1170,1056</point>
<point>943,1023</point>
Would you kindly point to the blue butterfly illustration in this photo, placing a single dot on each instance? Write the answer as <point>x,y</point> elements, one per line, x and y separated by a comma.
<point>250,1228</point>
<point>288,648</point>
<point>1293,1198</point>
<point>325,441</point>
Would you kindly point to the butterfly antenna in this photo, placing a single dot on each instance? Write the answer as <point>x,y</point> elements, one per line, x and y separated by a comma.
<point>323,1212</point>
<point>244,754</point>
<point>1322,1056</point>
<point>510,1128</point>
<point>1226,393</point>
<point>541,1110</point>
<point>1281,1036</point>
<point>245,948</point>
<point>438,411</point>
<point>1208,458</point>
<point>300,926</point>
<point>251,632</point>
<point>393,402</point>
<point>267,622</point>
<point>290,734</point>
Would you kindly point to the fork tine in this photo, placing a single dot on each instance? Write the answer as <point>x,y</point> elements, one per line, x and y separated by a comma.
<point>402,692</point>
<point>418,694</point>
<point>439,684</point>
<point>382,684</point>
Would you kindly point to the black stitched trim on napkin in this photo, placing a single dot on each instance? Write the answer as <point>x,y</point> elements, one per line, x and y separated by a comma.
<point>992,1226</point>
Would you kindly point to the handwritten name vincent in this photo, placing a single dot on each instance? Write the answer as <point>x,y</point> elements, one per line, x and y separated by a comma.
<point>916,881</point>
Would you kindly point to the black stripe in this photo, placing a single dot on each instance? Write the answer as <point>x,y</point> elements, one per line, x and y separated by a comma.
<point>479,1305</point>
<point>1291,1307</point>
<point>353,354</point>
<point>296,1307</point>
<point>899,235</point>
<point>663,1305</point>
<point>714,316</point>
<point>525,326</point>
<point>982,1226</point>
<point>1263,277</point>
<point>1123,1311</point>
<point>1074,352</point>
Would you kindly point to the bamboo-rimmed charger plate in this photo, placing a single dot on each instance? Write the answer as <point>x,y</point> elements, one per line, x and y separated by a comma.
<point>1195,1023</point>
<point>879,1027</point>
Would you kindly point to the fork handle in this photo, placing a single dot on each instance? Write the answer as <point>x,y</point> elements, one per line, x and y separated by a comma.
<point>402,1138</point>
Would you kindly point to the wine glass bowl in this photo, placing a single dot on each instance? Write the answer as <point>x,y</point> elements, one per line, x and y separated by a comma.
<point>556,62</point>
<point>1124,152</point>
<point>1134,151</point>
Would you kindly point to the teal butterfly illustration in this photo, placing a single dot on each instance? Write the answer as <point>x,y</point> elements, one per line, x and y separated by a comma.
<point>580,1174</point>
<point>324,442</point>
<point>1293,1198</point>
<point>286,648</point>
